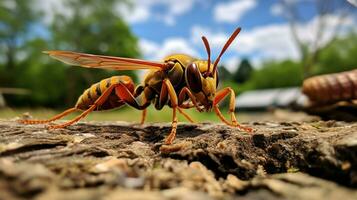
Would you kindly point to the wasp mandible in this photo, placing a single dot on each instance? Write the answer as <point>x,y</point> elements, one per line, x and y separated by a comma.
<point>179,81</point>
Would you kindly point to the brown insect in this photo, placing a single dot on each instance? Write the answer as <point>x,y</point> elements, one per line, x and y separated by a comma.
<point>331,88</point>
<point>179,81</point>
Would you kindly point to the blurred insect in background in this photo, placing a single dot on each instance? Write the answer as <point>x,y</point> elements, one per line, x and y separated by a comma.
<point>331,88</point>
<point>180,81</point>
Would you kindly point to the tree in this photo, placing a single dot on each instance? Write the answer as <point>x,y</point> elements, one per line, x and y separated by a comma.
<point>243,72</point>
<point>16,18</point>
<point>276,75</point>
<point>87,26</point>
<point>224,74</point>
<point>94,28</point>
<point>310,49</point>
<point>338,56</point>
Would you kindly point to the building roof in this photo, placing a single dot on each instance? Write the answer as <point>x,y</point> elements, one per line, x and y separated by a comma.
<point>262,99</point>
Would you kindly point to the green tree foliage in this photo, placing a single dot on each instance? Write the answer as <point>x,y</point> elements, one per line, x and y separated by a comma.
<point>339,55</point>
<point>224,74</point>
<point>16,17</point>
<point>243,72</point>
<point>42,76</point>
<point>275,75</point>
<point>92,27</point>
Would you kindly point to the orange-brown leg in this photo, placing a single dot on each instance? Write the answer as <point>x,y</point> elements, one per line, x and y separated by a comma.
<point>219,97</point>
<point>97,103</point>
<point>59,116</point>
<point>187,105</point>
<point>185,115</point>
<point>125,95</point>
<point>182,96</point>
<point>143,116</point>
<point>167,88</point>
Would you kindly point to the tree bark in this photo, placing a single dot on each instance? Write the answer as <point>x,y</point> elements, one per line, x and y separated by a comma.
<point>108,160</point>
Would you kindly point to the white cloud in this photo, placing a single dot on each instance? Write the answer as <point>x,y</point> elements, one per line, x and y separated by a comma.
<point>276,9</point>
<point>142,10</point>
<point>156,51</point>
<point>307,31</point>
<point>137,13</point>
<point>232,63</point>
<point>148,48</point>
<point>9,4</point>
<point>273,41</point>
<point>216,39</point>
<point>353,2</point>
<point>50,7</point>
<point>232,11</point>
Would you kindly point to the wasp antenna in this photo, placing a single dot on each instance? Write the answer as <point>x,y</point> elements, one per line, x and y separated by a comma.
<point>208,49</point>
<point>225,47</point>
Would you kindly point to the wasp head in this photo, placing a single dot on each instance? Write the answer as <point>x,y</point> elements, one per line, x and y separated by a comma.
<point>202,84</point>
<point>202,76</point>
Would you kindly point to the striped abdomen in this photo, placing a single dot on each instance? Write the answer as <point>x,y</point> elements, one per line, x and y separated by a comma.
<point>91,94</point>
<point>332,87</point>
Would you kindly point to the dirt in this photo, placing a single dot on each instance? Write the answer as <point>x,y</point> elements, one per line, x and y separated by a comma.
<point>102,160</point>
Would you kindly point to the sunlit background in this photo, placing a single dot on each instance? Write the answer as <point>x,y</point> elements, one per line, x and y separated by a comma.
<point>281,43</point>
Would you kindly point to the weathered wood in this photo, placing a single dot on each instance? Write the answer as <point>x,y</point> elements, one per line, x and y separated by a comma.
<point>126,161</point>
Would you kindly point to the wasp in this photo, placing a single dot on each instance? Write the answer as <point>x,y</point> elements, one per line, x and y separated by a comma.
<point>179,81</point>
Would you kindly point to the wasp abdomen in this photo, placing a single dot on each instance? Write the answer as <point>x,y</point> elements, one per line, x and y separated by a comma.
<point>91,94</point>
<point>332,87</point>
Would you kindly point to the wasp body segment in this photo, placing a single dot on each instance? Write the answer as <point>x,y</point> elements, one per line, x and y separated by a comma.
<point>92,94</point>
<point>179,81</point>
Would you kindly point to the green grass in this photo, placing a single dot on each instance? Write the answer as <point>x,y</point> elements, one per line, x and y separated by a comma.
<point>122,114</point>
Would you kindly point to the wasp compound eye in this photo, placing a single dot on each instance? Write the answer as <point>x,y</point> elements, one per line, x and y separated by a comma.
<point>193,78</point>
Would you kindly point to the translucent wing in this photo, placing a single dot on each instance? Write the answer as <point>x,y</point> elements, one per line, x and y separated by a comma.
<point>104,62</point>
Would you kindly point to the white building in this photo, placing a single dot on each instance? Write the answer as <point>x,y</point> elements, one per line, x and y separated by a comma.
<point>271,98</point>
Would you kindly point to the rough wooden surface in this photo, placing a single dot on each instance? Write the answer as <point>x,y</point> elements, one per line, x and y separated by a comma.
<point>290,160</point>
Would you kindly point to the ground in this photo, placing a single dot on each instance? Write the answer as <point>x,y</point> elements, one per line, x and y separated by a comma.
<point>119,160</point>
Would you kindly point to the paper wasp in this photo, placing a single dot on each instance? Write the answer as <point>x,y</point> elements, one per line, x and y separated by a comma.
<point>179,81</point>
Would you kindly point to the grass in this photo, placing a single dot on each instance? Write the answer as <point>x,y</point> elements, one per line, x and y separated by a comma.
<point>122,114</point>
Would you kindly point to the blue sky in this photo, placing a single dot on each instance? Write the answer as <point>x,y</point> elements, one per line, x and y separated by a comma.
<point>202,13</point>
<point>164,27</point>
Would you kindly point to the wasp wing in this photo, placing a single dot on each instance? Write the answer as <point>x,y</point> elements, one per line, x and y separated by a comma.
<point>103,62</point>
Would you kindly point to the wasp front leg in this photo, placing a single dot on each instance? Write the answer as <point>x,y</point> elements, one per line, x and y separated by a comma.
<point>182,97</point>
<point>218,98</point>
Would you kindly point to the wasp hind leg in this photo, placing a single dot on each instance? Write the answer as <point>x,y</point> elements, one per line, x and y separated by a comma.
<point>219,97</point>
<point>96,104</point>
<point>59,116</point>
